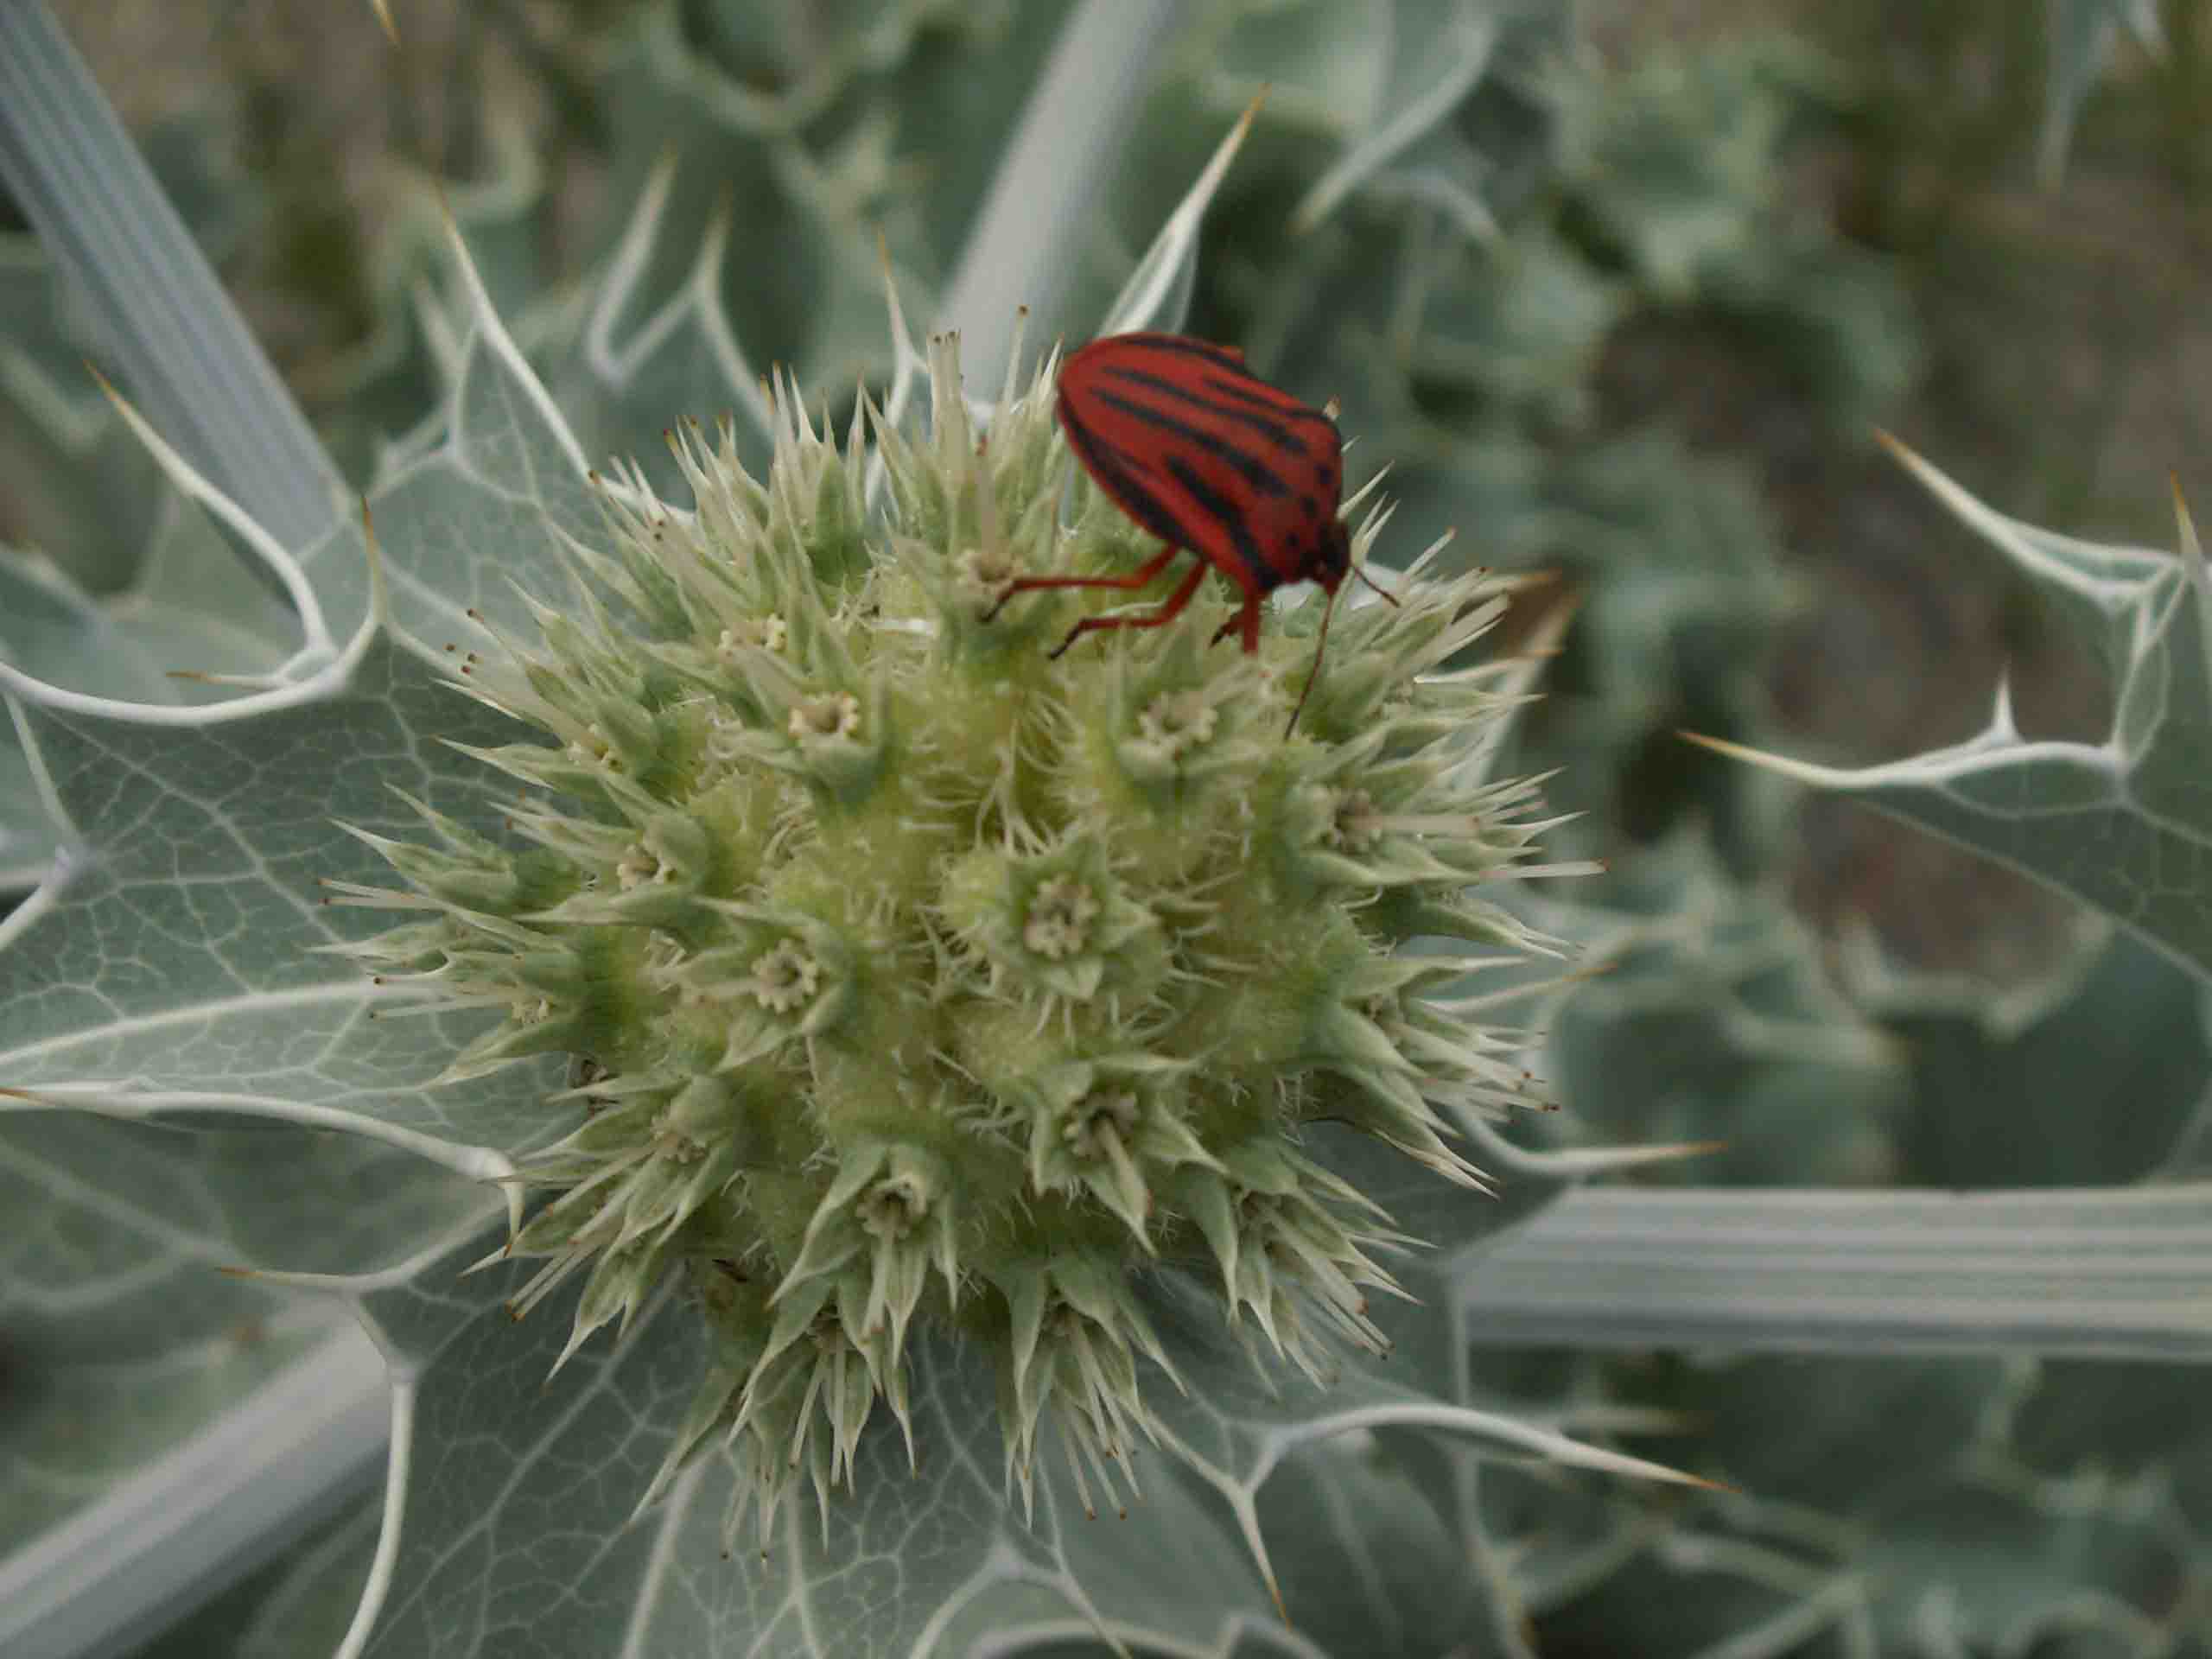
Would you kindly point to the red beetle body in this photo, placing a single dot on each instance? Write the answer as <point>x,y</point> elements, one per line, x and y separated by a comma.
<point>1211,458</point>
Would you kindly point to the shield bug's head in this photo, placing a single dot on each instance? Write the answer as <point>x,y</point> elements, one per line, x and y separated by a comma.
<point>1331,561</point>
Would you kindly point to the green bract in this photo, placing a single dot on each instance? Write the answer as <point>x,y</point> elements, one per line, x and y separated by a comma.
<point>915,976</point>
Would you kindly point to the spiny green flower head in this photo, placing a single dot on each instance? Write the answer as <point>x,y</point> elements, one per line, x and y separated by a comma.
<point>914,975</point>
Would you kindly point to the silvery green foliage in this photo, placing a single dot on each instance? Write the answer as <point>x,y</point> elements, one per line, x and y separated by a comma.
<point>1678,554</point>
<point>1715,1022</point>
<point>301,1604</point>
<point>811,129</point>
<point>825,132</point>
<point>2084,36</point>
<point>1932,1507</point>
<point>76,486</point>
<point>108,578</point>
<point>122,1337</point>
<point>81,485</point>
<point>1678,171</point>
<point>2122,824</point>
<point>124,1226</point>
<point>1671,160</point>
<point>1897,1505</point>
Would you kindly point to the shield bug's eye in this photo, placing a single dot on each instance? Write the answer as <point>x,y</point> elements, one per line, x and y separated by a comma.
<point>1336,554</point>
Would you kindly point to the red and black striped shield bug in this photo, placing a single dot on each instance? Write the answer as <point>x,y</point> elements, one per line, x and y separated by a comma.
<point>1216,462</point>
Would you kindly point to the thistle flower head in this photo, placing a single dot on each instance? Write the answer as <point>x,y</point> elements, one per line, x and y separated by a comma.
<point>917,978</point>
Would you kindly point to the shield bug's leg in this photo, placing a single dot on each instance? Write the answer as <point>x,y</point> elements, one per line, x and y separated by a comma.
<point>1143,575</point>
<point>1169,610</point>
<point>1246,621</point>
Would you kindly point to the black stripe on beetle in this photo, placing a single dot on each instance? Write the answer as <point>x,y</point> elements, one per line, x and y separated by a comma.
<point>1184,345</point>
<point>1111,467</point>
<point>1265,426</point>
<point>1241,391</point>
<point>1223,512</point>
<point>1250,469</point>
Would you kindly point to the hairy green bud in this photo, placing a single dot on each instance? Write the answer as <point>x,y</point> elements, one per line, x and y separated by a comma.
<point>916,977</point>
